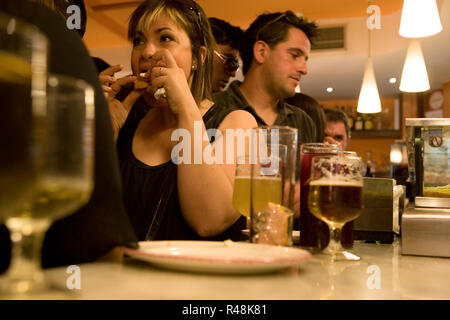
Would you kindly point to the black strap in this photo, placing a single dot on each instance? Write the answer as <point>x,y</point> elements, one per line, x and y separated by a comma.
<point>162,204</point>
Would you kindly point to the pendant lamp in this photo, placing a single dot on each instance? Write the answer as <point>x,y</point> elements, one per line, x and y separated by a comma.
<point>420,18</point>
<point>414,75</point>
<point>369,99</point>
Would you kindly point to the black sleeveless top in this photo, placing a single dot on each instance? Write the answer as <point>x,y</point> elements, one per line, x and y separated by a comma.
<point>151,193</point>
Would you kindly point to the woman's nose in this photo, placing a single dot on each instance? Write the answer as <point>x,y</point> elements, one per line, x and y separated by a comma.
<point>148,51</point>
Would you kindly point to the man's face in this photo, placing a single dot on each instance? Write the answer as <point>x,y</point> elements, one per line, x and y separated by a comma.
<point>225,66</point>
<point>335,133</point>
<point>286,64</point>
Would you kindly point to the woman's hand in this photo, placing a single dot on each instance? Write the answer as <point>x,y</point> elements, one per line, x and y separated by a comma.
<point>166,74</point>
<point>111,86</point>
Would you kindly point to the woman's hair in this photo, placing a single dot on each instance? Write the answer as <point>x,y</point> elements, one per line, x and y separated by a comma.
<point>192,19</point>
<point>313,109</point>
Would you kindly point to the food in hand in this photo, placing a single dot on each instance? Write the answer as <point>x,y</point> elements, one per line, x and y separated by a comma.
<point>139,84</point>
<point>160,93</point>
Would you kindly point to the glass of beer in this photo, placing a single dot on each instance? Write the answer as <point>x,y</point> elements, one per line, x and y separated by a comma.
<point>23,72</point>
<point>314,234</point>
<point>63,183</point>
<point>241,189</point>
<point>336,197</point>
<point>272,185</point>
<point>271,221</point>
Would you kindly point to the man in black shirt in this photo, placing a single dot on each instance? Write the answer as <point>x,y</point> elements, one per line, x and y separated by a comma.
<point>274,51</point>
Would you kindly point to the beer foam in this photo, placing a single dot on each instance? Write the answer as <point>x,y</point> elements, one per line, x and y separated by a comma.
<point>337,183</point>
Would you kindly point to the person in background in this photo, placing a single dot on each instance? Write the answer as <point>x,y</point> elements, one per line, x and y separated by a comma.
<point>314,109</point>
<point>226,54</point>
<point>337,130</point>
<point>274,50</point>
<point>167,199</point>
<point>101,226</point>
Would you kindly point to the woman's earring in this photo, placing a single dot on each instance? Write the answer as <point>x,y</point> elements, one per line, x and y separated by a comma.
<point>193,67</point>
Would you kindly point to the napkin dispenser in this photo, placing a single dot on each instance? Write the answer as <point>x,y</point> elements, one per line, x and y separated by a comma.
<point>426,231</point>
<point>381,213</point>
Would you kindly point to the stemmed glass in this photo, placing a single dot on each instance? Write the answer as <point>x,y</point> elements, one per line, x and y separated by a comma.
<point>63,182</point>
<point>336,197</point>
<point>23,72</point>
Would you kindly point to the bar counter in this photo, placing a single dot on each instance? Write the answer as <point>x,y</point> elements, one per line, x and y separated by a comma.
<point>382,273</point>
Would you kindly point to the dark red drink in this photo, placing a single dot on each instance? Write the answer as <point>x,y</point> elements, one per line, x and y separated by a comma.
<point>314,233</point>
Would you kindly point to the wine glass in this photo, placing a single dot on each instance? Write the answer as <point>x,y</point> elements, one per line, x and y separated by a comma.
<point>336,197</point>
<point>23,72</point>
<point>63,182</point>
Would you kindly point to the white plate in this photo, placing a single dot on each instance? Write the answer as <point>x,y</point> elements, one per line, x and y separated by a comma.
<point>217,256</point>
<point>295,235</point>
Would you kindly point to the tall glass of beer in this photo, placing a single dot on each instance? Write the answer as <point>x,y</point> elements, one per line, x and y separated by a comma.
<point>273,150</point>
<point>241,189</point>
<point>314,234</point>
<point>336,197</point>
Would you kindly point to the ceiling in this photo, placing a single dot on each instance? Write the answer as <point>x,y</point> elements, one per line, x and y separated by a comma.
<point>341,69</point>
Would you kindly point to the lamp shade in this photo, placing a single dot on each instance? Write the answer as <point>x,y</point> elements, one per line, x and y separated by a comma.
<point>420,18</point>
<point>414,75</point>
<point>369,99</point>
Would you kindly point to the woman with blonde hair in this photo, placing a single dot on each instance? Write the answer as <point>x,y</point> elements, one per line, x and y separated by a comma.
<point>172,57</point>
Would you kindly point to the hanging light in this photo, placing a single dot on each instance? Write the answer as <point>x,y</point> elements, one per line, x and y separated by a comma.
<point>420,18</point>
<point>369,99</point>
<point>414,75</point>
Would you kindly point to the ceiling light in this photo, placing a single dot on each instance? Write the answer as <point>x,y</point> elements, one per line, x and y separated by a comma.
<point>414,75</point>
<point>420,18</point>
<point>393,80</point>
<point>369,99</point>
<point>329,89</point>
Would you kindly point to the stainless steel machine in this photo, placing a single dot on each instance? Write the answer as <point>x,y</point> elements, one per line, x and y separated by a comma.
<point>426,224</point>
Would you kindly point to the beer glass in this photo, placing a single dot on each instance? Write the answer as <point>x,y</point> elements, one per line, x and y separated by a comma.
<point>63,183</point>
<point>271,218</point>
<point>241,188</point>
<point>314,234</point>
<point>23,57</point>
<point>23,67</point>
<point>336,197</point>
<point>273,150</point>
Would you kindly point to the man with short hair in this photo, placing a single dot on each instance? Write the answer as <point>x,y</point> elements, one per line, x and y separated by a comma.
<point>226,61</point>
<point>274,50</point>
<point>337,130</point>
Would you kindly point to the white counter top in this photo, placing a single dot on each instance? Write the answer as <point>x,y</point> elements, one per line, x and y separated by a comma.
<point>382,273</point>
